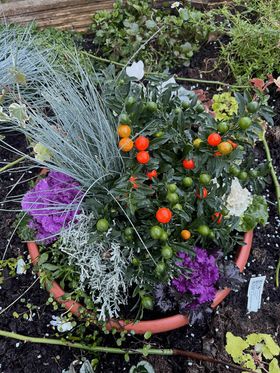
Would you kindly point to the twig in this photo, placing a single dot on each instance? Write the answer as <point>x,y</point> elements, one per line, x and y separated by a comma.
<point>18,298</point>
<point>13,163</point>
<point>216,82</point>
<point>120,351</point>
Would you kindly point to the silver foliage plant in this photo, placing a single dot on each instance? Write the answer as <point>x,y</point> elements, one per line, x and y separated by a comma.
<point>77,128</point>
<point>102,265</point>
<point>20,59</point>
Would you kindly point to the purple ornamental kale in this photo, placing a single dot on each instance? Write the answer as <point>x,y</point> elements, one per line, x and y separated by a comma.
<point>200,275</point>
<point>52,204</point>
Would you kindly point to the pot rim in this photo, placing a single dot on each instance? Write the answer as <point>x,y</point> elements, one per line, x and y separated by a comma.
<point>161,325</point>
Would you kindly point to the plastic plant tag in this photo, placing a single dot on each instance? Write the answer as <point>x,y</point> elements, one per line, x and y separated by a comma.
<point>254,293</point>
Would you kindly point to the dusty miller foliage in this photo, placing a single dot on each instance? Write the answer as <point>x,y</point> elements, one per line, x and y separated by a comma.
<point>102,265</point>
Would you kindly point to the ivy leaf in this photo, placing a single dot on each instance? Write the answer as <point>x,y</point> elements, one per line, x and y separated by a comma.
<point>273,366</point>
<point>273,348</point>
<point>235,347</point>
<point>253,339</point>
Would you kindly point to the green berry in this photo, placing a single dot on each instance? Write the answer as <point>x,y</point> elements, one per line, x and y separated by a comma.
<point>172,198</point>
<point>156,232</point>
<point>204,179</point>
<point>187,181</point>
<point>252,107</point>
<point>243,176</point>
<point>102,225</point>
<point>203,230</point>
<point>244,123</point>
<point>171,188</point>
<point>166,252</point>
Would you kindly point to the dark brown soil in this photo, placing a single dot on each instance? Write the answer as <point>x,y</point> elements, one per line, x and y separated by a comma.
<point>209,338</point>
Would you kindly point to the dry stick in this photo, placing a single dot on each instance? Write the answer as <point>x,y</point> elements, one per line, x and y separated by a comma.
<point>120,351</point>
<point>216,82</point>
<point>18,298</point>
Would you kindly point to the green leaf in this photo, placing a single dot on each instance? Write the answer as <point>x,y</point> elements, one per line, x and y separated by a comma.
<point>255,214</point>
<point>142,367</point>
<point>273,366</point>
<point>150,24</point>
<point>148,335</point>
<point>43,258</point>
<point>18,112</point>
<point>235,347</point>
<point>184,14</point>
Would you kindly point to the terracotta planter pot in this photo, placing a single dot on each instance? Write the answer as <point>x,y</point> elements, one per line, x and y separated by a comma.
<point>155,326</point>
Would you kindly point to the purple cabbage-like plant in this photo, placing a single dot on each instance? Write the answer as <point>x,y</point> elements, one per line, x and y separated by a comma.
<point>52,204</point>
<point>198,277</point>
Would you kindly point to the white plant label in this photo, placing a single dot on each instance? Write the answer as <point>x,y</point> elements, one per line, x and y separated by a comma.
<point>254,293</point>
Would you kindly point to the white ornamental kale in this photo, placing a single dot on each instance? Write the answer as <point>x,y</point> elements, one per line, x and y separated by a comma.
<point>239,199</point>
<point>102,265</point>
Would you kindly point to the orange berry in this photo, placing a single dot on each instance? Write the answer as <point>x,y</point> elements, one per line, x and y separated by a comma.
<point>143,157</point>
<point>163,215</point>
<point>225,148</point>
<point>233,144</point>
<point>217,154</point>
<point>142,143</point>
<point>185,234</point>
<point>214,139</point>
<point>188,164</point>
<point>124,130</point>
<point>152,174</point>
<point>126,144</point>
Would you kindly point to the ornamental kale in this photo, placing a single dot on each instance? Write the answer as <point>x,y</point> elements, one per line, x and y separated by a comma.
<point>52,204</point>
<point>200,282</point>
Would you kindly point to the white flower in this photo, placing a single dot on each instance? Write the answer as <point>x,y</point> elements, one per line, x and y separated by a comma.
<point>238,199</point>
<point>61,324</point>
<point>175,5</point>
<point>136,70</point>
<point>21,267</point>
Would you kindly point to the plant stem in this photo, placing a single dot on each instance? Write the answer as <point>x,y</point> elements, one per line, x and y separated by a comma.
<point>121,351</point>
<point>277,273</point>
<point>277,191</point>
<point>272,171</point>
<point>101,59</point>
<point>13,163</point>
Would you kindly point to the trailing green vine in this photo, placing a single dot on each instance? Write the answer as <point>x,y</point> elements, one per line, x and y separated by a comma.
<point>145,351</point>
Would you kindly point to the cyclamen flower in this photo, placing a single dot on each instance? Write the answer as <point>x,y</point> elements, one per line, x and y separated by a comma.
<point>52,203</point>
<point>200,282</point>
